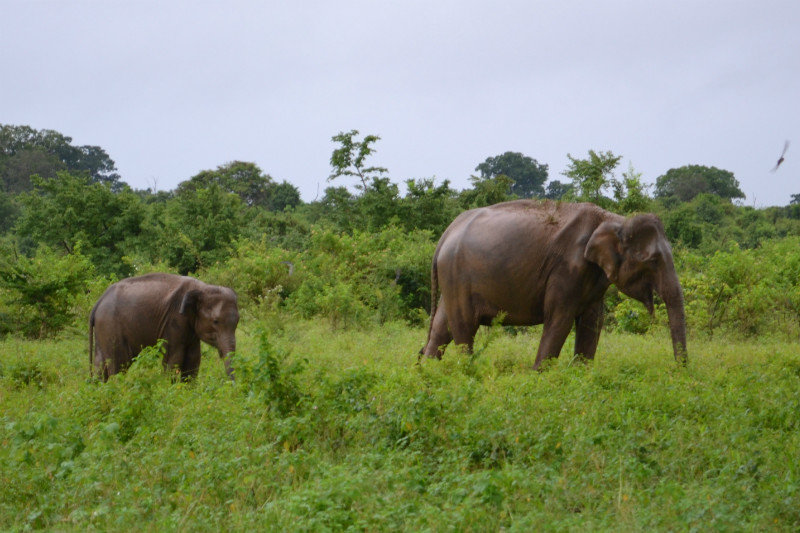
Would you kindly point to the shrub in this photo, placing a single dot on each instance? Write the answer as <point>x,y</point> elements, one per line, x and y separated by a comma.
<point>631,316</point>
<point>38,294</point>
<point>69,211</point>
<point>272,378</point>
<point>744,292</point>
<point>199,227</point>
<point>383,276</point>
<point>256,271</point>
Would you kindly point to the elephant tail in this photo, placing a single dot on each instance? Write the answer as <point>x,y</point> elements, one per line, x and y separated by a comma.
<point>91,342</point>
<point>434,288</point>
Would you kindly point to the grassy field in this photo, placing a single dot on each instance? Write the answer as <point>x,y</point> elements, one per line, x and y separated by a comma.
<point>336,430</point>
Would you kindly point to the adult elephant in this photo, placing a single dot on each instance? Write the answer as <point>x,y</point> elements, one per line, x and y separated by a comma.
<point>548,263</point>
<point>137,312</point>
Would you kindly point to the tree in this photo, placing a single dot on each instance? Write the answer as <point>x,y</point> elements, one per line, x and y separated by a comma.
<point>25,151</point>
<point>70,210</point>
<point>426,206</point>
<point>8,212</point>
<point>688,181</point>
<point>282,195</point>
<point>200,227</point>
<point>18,168</point>
<point>378,206</point>
<point>375,208</point>
<point>682,225</point>
<point>348,159</point>
<point>557,190</point>
<point>238,177</point>
<point>630,194</point>
<point>247,181</point>
<point>485,191</point>
<point>336,206</point>
<point>42,290</point>
<point>527,174</point>
<point>591,176</point>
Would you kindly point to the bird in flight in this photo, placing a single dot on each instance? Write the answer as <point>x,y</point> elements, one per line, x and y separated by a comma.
<point>785,146</point>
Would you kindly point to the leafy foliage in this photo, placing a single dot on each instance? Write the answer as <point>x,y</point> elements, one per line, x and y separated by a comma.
<point>331,425</point>
<point>273,378</point>
<point>25,151</point>
<point>427,206</point>
<point>630,194</point>
<point>199,227</point>
<point>361,438</point>
<point>557,190</point>
<point>486,191</point>
<point>527,174</point>
<point>70,210</point>
<point>247,181</point>
<point>591,177</point>
<point>38,294</point>
<point>8,212</point>
<point>350,279</point>
<point>349,158</point>
<point>686,182</point>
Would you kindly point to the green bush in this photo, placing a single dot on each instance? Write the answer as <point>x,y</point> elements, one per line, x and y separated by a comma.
<point>38,295</point>
<point>744,292</point>
<point>631,316</point>
<point>198,228</point>
<point>272,378</point>
<point>365,276</point>
<point>257,271</point>
<point>69,211</point>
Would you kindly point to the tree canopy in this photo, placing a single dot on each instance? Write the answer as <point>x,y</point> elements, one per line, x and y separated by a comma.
<point>349,158</point>
<point>69,212</point>
<point>25,151</point>
<point>354,250</point>
<point>593,176</point>
<point>527,174</point>
<point>557,190</point>
<point>686,182</point>
<point>199,223</point>
<point>249,182</point>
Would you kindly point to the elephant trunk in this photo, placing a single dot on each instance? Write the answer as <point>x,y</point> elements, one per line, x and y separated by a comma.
<point>669,289</point>
<point>226,350</point>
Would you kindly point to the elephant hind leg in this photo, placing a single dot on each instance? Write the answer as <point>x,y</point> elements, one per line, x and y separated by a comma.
<point>439,335</point>
<point>104,361</point>
<point>464,326</point>
<point>100,364</point>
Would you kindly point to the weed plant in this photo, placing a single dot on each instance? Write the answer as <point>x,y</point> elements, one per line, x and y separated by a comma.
<point>346,430</point>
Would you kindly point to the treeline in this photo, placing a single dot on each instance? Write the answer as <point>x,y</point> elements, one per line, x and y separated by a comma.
<point>69,226</point>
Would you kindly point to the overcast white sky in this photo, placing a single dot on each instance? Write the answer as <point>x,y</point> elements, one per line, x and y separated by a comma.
<point>172,88</point>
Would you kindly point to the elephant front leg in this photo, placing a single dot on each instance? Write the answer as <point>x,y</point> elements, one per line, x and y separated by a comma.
<point>587,330</point>
<point>174,359</point>
<point>190,365</point>
<point>554,334</point>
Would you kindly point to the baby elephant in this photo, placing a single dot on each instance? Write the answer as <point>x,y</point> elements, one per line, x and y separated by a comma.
<point>135,312</point>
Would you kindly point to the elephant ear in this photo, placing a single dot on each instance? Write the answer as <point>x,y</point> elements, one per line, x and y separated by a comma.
<point>189,302</point>
<point>604,248</point>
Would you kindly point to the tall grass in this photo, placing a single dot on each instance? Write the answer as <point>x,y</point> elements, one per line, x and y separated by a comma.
<point>344,430</point>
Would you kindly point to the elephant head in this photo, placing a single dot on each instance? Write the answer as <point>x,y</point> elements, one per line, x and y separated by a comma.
<point>636,257</point>
<point>215,314</point>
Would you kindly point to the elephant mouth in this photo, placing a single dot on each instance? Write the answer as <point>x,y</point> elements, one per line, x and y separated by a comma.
<point>642,292</point>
